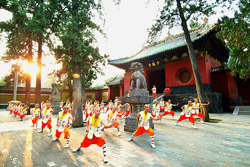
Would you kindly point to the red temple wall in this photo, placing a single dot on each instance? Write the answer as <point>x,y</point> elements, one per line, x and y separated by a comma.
<point>209,64</point>
<point>232,87</point>
<point>205,65</point>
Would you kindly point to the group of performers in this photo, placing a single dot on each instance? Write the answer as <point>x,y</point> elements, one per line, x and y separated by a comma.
<point>89,108</point>
<point>18,110</point>
<point>95,124</point>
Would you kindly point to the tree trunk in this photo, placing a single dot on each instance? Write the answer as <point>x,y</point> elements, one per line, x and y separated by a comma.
<point>77,101</point>
<point>38,74</point>
<point>28,76</point>
<point>198,81</point>
<point>70,87</point>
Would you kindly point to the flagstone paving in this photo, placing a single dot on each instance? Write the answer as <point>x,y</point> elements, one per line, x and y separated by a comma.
<point>212,144</point>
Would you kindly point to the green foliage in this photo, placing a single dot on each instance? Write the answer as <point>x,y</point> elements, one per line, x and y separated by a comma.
<point>9,79</point>
<point>236,32</point>
<point>194,25</point>
<point>2,82</point>
<point>192,10</point>
<point>76,31</point>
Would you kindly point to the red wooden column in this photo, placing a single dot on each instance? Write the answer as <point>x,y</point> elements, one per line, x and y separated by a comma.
<point>109,93</point>
<point>121,89</point>
<point>232,87</point>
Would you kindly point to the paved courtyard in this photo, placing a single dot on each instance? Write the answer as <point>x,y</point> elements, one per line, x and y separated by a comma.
<point>212,144</point>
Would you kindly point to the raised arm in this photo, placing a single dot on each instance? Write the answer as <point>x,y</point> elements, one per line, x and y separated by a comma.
<point>205,104</point>
<point>105,123</point>
<point>87,130</point>
<point>138,118</point>
<point>182,108</point>
<point>32,112</point>
<point>175,104</point>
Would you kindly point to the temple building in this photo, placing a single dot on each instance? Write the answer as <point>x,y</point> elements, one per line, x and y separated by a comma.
<point>167,65</point>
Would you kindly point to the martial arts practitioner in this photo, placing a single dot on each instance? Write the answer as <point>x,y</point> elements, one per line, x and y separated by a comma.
<point>112,118</point>
<point>68,103</point>
<point>156,110</point>
<point>90,108</point>
<point>35,113</point>
<point>197,110</point>
<point>18,109</point>
<point>118,109</point>
<point>127,112</point>
<point>143,118</point>
<point>102,106</point>
<point>61,105</point>
<point>154,91</point>
<point>162,104</point>
<point>186,113</point>
<point>11,108</point>
<point>93,135</point>
<point>63,122</point>
<point>109,106</point>
<point>46,118</point>
<point>23,112</point>
<point>86,106</point>
<point>116,100</point>
<point>14,109</point>
<point>168,108</point>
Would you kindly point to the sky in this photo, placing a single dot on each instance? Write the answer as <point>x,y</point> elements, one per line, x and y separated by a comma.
<point>126,28</point>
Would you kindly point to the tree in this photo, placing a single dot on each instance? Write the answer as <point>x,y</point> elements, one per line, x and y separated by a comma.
<point>236,32</point>
<point>9,79</point>
<point>19,43</point>
<point>34,21</point>
<point>76,31</point>
<point>177,12</point>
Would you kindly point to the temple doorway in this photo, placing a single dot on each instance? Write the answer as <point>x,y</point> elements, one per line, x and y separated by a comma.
<point>156,78</point>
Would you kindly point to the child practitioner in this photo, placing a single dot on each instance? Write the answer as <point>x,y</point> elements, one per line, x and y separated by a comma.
<point>196,111</point>
<point>109,106</point>
<point>154,91</point>
<point>112,118</point>
<point>23,112</point>
<point>168,108</point>
<point>93,136</point>
<point>46,118</point>
<point>143,118</point>
<point>63,122</point>
<point>186,113</point>
<point>156,110</point>
<point>162,105</point>
<point>35,112</point>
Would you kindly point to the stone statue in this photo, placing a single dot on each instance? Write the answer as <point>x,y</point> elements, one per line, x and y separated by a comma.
<point>137,97</point>
<point>55,91</point>
<point>138,81</point>
<point>55,98</point>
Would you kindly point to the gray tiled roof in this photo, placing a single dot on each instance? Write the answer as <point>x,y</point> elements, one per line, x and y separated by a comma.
<point>165,45</point>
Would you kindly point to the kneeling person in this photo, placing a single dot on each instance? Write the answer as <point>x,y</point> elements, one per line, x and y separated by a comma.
<point>93,136</point>
<point>143,118</point>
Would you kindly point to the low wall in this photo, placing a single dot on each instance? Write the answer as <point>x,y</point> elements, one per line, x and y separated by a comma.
<point>214,98</point>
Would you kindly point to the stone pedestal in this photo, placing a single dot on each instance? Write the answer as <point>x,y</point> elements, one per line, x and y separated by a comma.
<point>141,93</point>
<point>55,103</point>
<point>137,104</point>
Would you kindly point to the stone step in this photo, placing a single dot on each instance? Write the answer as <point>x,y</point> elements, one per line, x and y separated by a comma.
<point>244,113</point>
<point>241,110</point>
